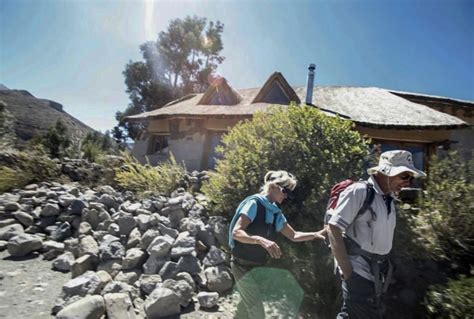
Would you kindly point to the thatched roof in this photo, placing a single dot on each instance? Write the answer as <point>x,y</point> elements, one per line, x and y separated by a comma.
<point>366,106</point>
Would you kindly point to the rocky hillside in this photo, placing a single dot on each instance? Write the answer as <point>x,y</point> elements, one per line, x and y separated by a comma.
<point>34,116</point>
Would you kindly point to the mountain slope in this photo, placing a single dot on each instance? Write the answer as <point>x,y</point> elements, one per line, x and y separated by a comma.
<point>34,116</point>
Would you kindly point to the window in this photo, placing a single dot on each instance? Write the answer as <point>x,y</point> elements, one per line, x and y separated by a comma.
<point>159,144</point>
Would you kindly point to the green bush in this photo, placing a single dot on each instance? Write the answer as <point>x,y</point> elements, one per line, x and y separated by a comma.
<point>143,179</point>
<point>319,150</point>
<point>95,146</point>
<point>452,301</point>
<point>23,168</point>
<point>446,220</point>
<point>57,140</point>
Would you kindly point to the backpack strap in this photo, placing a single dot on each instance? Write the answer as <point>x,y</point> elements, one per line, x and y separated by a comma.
<point>369,198</point>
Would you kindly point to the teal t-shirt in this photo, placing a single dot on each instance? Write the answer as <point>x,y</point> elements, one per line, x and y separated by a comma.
<point>248,207</point>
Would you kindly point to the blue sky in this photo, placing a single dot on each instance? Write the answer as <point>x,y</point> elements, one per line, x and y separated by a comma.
<point>74,51</point>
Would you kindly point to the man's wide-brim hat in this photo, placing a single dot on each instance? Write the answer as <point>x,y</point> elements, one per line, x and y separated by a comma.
<point>392,163</point>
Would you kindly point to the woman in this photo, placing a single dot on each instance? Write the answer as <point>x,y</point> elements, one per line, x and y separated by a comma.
<point>252,232</point>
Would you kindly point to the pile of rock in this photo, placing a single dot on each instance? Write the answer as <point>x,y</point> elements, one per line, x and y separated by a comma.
<point>128,258</point>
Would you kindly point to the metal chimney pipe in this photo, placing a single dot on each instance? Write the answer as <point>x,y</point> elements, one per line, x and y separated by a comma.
<point>310,84</point>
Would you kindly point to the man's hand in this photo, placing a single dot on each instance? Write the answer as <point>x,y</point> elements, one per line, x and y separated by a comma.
<point>270,246</point>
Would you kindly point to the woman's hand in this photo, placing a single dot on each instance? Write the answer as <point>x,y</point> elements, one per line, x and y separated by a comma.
<point>320,235</point>
<point>270,246</point>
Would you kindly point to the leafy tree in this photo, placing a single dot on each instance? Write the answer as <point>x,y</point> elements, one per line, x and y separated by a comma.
<point>445,220</point>
<point>57,140</point>
<point>179,62</point>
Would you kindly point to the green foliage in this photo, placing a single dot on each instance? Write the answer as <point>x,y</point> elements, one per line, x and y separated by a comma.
<point>179,62</point>
<point>453,300</point>
<point>96,146</point>
<point>320,151</point>
<point>7,137</point>
<point>162,179</point>
<point>25,168</point>
<point>445,221</point>
<point>57,140</point>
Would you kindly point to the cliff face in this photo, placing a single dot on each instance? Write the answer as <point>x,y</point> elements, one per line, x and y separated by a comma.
<point>33,116</point>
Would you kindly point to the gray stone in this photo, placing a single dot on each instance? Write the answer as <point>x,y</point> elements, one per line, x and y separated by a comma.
<point>83,264</point>
<point>113,267</point>
<point>85,228</point>
<point>175,217</point>
<point>162,302</point>
<point>88,246</point>
<point>149,282</point>
<point>134,258</point>
<point>10,231</point>
<point>207,299</point>
<point>218,279</point>
<point>220,227</point>
<point>3,245</point>
<point>64,262</point>
<point>76,206</point>
<point>134,239</point>
<point>62,232</point>
<point>11,206</point>
<point>7,222</point>
<point>184,245</point>
<point>50,209</point>
<point>143,222</point>
<point>129,277</point>
<point>154,264</point>
<point>119,306</point>
<point>148,237</point>
<point>89,283</point>
<point>72,245</point>
<point>126,223</point>
<point>108,201</point>
<point>165,230</point>
<point>160,246</point>
<point>111,248</point>
<point>206,235</point>
<point>121,287</point>
<point>182,288</point>
<point>66,199</point>
<point>189,264</point>
<point>169,270</point>
<point>24,218</point>
<point>23,244</point>
<point>214,257</point>
<point>186,277</point>
<point>88,307</point>
<point>91,216</point>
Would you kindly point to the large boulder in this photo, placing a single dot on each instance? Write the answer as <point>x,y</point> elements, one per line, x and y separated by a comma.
<point>10,231</point>
<point>118,306</point>
<point>22,245</point>
<point>162,302</point>
<point>218,279</point>
<point>89,307</point>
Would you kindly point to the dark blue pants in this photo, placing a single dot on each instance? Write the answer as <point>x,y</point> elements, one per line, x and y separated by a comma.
<point>359,299</point>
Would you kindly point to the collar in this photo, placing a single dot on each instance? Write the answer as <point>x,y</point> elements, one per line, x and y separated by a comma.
<point>377,188</point>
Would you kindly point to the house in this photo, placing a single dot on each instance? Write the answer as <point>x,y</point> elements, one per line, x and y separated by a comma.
<point>191,127</point>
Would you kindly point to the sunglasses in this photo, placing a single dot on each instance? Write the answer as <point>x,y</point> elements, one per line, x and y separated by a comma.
<point>284,190</point>
<point>406,177</point>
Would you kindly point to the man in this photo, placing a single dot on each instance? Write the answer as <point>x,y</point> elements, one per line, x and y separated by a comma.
<point>361,241</point>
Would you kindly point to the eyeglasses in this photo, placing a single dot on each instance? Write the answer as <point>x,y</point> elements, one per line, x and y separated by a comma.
<point>284,190</point>
<point>406,177</point>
